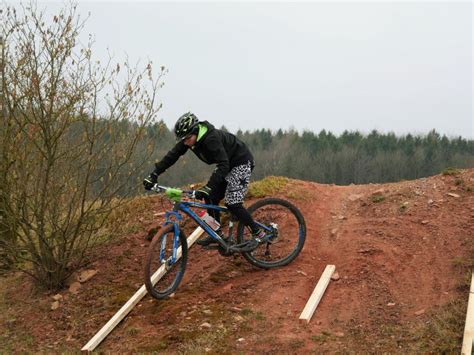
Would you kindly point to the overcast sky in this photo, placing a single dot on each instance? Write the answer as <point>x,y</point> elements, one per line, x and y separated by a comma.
<point>392,66</point>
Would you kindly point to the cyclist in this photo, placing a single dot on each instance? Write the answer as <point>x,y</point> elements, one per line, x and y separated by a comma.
<point>234,165</point>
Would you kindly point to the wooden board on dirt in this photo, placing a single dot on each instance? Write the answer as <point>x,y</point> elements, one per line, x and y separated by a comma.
<point>317,294</point>
<point>468,339</point>
<point>132,302</point>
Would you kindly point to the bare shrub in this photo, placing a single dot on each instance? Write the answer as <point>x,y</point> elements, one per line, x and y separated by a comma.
<point>69,135</point>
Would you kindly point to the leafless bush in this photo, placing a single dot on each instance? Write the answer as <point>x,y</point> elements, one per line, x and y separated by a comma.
<point>66,153</point>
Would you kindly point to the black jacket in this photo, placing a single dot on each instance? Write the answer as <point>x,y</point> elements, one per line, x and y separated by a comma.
<point>215,147</point>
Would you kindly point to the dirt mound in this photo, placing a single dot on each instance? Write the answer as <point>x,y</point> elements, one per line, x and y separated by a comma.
<point>396,247</point>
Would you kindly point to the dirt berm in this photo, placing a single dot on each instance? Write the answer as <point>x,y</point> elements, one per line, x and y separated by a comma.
<point>403,252</point>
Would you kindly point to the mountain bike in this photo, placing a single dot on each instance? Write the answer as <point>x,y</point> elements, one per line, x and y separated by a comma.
<point>165,263</point>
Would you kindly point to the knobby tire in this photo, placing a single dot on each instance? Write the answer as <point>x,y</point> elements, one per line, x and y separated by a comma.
<point>292,211</point>
<point>153,257</point>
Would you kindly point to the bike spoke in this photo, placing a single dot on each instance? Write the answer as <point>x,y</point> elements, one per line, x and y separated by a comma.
<point>160,256</point>
<point>287,230</point>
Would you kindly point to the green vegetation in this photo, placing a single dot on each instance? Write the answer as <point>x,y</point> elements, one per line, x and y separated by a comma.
<point>259,316</point>
<point>198,342</point>
<point>118,300</point>
<point>296,344</point>
<point>450,171</point>
<point>323,157</point>
<point>132,331</point>
<point>268,186</point>
<point>403,207</point>
<point>321,338</point>
<point>246,311</point>
<point>462,184</point>
<point>297,192</point>
<point>443,333</point>
<point>377,198</point>
<point>465,265</point>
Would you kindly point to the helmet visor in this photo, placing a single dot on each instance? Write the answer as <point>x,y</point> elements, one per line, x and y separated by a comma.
<point>183,136</point>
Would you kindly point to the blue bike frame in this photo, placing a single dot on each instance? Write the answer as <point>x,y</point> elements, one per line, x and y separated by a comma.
<point>173,216</point>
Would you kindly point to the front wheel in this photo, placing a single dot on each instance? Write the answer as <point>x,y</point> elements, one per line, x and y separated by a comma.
<point>162,273</point>
<point>286,234</point>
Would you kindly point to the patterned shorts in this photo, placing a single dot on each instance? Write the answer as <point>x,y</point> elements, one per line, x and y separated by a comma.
<point>237,184</point>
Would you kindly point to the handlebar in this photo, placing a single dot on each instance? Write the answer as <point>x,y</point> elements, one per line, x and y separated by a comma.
<point>173,193</point>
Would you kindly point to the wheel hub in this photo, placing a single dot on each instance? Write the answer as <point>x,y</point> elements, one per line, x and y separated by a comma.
<point>274,233</point>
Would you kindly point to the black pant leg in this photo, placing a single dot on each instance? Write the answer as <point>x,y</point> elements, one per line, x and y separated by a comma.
<point>243,215</point>
<point>217,194</point>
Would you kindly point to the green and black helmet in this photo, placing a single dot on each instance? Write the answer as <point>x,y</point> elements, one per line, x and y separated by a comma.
<point>186,125</point>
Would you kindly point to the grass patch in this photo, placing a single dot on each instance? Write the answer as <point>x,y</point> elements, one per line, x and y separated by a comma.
<point>296,344</point>
<point>403,207</point>
<point>377,198</point>
<point>443,333</point>
<point>246,311</point>
<point>186,336</point>
<point>266,187</point>
<point>250,313</point>
<point>132,331</point>
<point>450,171</point>
<point>320,338</point>
<point>298,193</point>
<point>192,339</point>
<point>120,299</point>
<point>118,222</point>
<point>259,316</point>
<point>465,264</point>
<point>153,348</point>
<point>205,341</point>
<point>465,284</point>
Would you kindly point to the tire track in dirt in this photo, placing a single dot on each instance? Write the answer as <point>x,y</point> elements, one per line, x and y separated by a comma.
<point>277,296</point>
<point>394,255</point>
<point>390,266</point>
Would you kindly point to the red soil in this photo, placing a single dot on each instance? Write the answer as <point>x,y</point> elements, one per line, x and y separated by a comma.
<point>394,258</point>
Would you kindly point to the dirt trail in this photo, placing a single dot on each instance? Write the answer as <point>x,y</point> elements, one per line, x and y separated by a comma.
<point>393,246</point>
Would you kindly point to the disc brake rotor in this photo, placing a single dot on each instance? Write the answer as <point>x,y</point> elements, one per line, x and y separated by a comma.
<point>274,233</point>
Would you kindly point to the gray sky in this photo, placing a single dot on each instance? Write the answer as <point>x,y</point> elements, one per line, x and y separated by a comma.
<point>391,66</point>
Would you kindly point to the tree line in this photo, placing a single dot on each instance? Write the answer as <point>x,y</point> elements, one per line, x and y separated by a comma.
<point>351,157</point>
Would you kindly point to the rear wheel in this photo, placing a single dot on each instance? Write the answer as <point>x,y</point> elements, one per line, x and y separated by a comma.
<point>286,237</point>
<point>162,275</point>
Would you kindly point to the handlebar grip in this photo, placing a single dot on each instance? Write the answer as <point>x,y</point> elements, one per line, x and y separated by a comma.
<point>158,188</point>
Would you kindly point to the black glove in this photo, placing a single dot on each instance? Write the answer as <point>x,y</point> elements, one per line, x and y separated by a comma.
<point>150,181</point>
<point>203,193</point>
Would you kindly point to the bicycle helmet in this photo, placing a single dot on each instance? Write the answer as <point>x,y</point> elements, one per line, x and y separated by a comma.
<point>185,125</point>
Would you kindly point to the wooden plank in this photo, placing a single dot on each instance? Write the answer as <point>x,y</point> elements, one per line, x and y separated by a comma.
<point>317,293</point>
<point>127,307</point>
<point>468,339</point>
